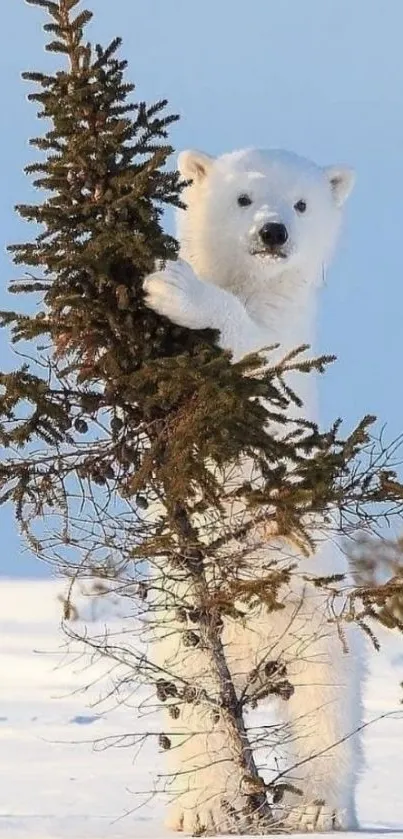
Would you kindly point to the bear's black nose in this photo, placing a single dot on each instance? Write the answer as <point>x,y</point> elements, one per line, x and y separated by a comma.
<point>273,234</point>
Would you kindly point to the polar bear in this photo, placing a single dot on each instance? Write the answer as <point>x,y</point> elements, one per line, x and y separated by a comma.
<point>258,230</point>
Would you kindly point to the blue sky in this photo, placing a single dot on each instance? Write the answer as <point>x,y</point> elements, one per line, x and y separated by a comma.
<point>323,78</point>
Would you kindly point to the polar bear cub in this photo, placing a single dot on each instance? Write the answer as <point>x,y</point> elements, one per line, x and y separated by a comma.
<point>258,230</point>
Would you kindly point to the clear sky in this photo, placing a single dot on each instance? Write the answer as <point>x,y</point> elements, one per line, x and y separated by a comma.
<point>323,78</point>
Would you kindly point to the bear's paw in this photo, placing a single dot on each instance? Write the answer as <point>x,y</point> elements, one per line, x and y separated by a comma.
<point>176,292</point>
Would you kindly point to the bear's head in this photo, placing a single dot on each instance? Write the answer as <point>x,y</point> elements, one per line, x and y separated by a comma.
<point>255,216</point>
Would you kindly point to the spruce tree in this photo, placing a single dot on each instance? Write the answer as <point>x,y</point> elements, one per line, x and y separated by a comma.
<point>118,414</point>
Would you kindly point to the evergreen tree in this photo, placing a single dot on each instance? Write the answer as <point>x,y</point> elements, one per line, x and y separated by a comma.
<point>118,412</point>
<point>378,572</point>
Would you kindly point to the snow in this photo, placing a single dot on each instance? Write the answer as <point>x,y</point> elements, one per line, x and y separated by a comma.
<point>55,783</point>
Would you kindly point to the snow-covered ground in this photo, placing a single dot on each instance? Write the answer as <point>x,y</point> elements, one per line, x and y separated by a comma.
<point>55,783</point>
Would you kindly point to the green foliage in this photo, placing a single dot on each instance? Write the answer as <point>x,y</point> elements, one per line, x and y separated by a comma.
<point>120,429</point>
<point>121,398</point>
<point>378,570</point>
<point>101,220</point>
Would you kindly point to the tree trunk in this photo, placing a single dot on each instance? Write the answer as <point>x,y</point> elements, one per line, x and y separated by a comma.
<point>214,777</point>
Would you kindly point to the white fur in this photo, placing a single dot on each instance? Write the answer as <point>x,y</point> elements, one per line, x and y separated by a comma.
<point>257,299</point>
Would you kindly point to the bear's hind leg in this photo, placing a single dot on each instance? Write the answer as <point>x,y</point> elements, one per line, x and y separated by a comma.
<point>208,772</point>
<point>324,714</point>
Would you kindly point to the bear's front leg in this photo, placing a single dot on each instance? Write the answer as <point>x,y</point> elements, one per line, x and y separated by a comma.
<point>178,293</point>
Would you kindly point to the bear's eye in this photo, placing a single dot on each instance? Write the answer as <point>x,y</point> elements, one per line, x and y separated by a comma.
<point>244,200</point>
<point>300,206</point>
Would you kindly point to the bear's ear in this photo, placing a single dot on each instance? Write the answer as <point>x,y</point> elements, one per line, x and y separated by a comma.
<point>194,165</point>
<point>341,182</point>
